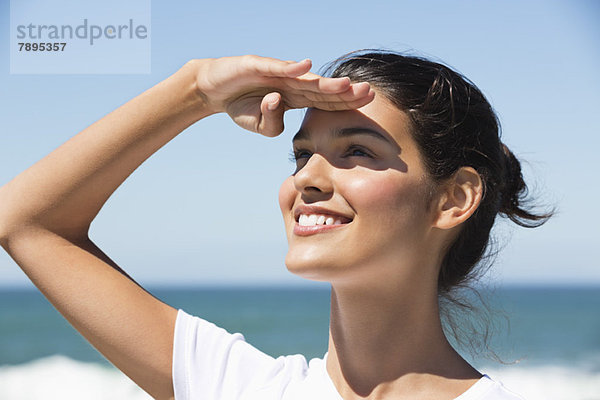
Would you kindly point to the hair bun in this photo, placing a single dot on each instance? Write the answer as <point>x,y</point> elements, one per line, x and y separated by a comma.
<point>514,193</point>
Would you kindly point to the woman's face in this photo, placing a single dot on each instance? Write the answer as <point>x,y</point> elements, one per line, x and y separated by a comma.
<point>356,206</point>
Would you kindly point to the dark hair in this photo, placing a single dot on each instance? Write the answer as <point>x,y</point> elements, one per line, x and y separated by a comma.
<point>453,125</point>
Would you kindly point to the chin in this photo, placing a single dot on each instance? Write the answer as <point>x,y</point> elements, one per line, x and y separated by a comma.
<point>304,270</point>
<point>308,264</point>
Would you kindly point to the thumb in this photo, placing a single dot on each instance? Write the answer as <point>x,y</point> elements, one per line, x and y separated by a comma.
<point>272,109</point>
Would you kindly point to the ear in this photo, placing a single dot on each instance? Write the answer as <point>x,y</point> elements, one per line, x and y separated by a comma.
<point>459,199</point>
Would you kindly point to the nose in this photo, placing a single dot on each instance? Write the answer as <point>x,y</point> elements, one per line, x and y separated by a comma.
<point>315,177</point>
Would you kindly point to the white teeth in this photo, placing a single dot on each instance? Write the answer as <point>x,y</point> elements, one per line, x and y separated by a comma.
<point>314,219</point>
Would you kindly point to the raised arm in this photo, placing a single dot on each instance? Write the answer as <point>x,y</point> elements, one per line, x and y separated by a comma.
<point>46,211</point>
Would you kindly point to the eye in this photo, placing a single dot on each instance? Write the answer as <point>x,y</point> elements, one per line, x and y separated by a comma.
<point>358,151</point>
<point>298,154</point>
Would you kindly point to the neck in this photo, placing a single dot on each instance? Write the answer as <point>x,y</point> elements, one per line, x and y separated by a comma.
<point>391,341</point>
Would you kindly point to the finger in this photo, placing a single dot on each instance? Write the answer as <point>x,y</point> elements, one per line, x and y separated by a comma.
<point>318,84</point>
<point>271,121</point>
<point>347,105</point>
<point>357,93</point>
<point>331,104</point>
<point>354,92</point>
<point>267,66</point>
<point>299,68</point>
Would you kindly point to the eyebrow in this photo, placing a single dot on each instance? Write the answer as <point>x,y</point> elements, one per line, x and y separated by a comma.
<point>345,132</point>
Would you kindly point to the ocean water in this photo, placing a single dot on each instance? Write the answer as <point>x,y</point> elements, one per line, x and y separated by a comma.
<point>550,343</point>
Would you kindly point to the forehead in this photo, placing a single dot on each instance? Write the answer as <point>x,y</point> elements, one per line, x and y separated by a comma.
<point>378,118</point>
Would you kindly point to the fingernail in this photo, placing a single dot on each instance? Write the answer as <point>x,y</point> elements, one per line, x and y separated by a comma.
<point>272,106</point>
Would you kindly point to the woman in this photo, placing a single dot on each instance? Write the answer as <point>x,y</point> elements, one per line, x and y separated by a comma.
<point>400,174</point>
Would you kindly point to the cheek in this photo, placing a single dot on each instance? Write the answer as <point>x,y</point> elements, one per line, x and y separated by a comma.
<point>370,193</point>
<point>287,195</point>
<point>387,199</point>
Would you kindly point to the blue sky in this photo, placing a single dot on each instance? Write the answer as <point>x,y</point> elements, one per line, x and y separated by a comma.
<point>203,210</point>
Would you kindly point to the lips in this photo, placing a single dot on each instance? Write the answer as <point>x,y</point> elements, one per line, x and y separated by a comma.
<point>318,219</point>
<point>313,219</point>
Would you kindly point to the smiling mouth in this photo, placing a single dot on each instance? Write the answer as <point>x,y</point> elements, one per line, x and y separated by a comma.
<point>312,224</point>
<point>313,219</point>
<point>308,223</point>
<point>320,219</point>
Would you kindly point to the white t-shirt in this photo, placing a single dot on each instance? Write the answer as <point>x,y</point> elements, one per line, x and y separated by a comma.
<point>211,364</point>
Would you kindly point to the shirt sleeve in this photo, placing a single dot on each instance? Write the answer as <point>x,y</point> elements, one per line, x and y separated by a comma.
<point>210,363</point>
